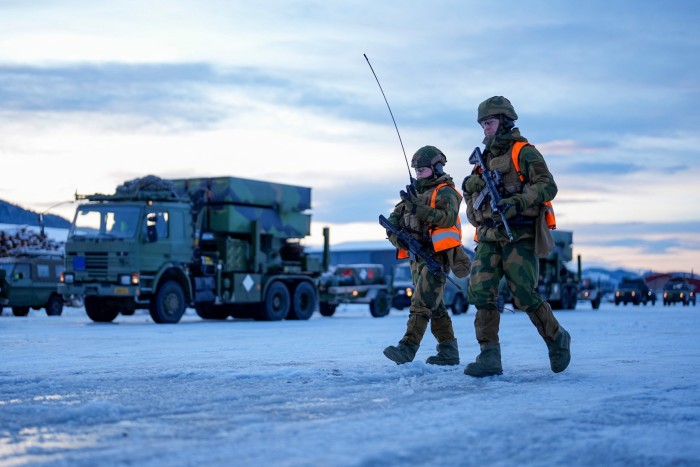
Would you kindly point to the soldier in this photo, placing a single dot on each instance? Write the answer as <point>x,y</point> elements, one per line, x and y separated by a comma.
<point>527,184</point>
<point>429,211</point>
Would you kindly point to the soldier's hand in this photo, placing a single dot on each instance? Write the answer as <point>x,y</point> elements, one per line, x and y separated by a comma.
<point>409,200</point>
<point>473,184</point>
<point>509,207</point>
<point>394,239</point>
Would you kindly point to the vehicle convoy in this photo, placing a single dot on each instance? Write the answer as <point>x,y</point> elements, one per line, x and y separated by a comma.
<point>31,278</point>
<point>634,290</point>
<point>557,284</point>
<point>355,283</point>
<point>402,284</point>
<point>679,290</point>
<point>226,246</point>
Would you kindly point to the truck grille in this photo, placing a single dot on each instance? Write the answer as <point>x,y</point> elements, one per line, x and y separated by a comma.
<point>95,264</point>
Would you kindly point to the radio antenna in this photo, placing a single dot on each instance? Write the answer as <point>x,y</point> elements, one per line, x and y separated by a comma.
<point>392,118</point>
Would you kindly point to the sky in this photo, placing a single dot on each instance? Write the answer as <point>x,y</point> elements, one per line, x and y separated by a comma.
<point>94,94</point>
<point>321,393</point>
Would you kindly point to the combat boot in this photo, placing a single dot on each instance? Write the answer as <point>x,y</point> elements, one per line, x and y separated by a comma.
<point>488,362</point>
<point>402,353</point>
<point>560,350</point>
<point>448,353</point>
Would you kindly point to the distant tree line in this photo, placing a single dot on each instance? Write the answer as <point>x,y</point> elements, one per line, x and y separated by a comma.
<point>13,214</point>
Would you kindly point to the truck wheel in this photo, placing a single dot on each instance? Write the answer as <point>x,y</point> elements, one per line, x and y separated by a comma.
<point>211,311</point>
<point>277,303</point>
<point>459,305</point>
<point>54,307</point>
<point>20,310</point>
<point>99,310</point>
<point>303,302</point>
<point>596,303</point>
<point>168,305</point>
<point>326,309</point>
<point>381,305</point>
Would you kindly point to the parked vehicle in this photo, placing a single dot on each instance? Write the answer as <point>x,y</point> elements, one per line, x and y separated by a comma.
<point>678,290</point>
<point>590,291</point>
<point>225,246</point>
<point>355,283</point>
<point>455,299</point>
<point>634,290</point>
<point>31,278</point>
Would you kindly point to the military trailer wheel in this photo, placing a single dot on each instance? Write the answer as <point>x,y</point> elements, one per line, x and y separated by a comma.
<point>168,305</point>
<point>20,310</point>
<point>54,307</point>
<point>100,311</point>
<point>326,309</point>
<point>277,303</point>
<point>211,311</point>
<point>381,305</point>
<point>459,305</point>
<point>303,301</point>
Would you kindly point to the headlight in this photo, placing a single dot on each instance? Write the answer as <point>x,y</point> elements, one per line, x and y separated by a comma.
<point>67,277</point>
<point>129,279</point>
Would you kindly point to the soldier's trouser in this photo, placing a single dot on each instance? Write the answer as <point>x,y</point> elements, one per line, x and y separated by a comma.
<point>518,262</point>
<point>427,306</point>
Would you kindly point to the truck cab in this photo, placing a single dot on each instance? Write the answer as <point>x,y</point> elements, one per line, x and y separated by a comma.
<point>118,251</point>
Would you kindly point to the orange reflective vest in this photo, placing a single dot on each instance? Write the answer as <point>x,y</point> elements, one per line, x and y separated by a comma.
<point>548,208</point>
<point>443,238</point>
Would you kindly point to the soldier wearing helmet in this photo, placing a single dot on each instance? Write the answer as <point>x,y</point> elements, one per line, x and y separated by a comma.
<point>429,212</point>
<point>527,184</point>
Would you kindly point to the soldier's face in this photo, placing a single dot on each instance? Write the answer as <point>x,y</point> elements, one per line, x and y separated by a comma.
<point>423,172</point>
<point>490,126</point>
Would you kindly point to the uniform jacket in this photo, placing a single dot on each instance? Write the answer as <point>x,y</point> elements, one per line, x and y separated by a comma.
<point>538,186</point>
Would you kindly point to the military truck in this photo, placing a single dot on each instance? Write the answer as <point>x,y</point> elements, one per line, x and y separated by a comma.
<point>634,290</point>
<point>679,290</point>
<point>557,284</point>
<point>354,283</point>
<point>31,279</point>
<point>225,246</point>
<point>402,283</point>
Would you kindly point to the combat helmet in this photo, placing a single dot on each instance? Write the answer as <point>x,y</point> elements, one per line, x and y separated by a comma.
<point>429,156</point>
<point>496,105</point>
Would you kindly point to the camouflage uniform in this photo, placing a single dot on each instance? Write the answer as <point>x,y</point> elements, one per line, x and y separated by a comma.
<point>427,304</point>
<point>496,256</point>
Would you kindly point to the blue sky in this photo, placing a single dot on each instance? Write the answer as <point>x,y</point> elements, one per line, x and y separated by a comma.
<point>92,94</point>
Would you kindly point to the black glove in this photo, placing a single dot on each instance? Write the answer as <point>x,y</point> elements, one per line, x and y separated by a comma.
<point>409,198</point>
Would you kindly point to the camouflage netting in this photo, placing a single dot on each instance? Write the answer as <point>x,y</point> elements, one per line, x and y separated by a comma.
<point>147,183</point>
<point>23,238</point>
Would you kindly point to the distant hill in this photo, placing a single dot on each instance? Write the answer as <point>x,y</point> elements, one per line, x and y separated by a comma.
<point>13,214</point>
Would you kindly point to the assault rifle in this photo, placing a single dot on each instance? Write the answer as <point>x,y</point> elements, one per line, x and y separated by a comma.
<point>414,248</point>
<point>493,179</point>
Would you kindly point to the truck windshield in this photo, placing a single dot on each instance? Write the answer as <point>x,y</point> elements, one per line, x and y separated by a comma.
<point>106,221</point>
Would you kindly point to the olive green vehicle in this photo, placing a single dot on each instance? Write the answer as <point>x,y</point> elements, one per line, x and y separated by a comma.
<point>31,277</point>
<point>225,246</point>
<point>355,283</point>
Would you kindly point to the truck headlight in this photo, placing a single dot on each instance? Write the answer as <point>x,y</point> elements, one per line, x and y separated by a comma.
<point>67,277</point>
<point>129,279</point>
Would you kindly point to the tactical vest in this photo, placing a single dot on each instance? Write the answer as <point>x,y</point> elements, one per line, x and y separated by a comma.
<point>513,182</point>
<point>443,238</point>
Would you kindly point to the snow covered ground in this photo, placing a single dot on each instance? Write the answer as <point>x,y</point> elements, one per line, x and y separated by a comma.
<point>320,392</point>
